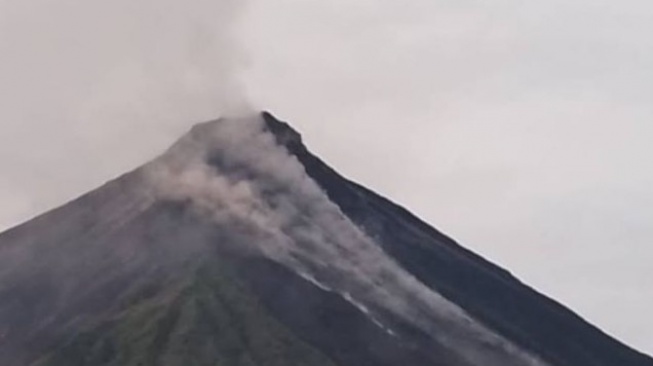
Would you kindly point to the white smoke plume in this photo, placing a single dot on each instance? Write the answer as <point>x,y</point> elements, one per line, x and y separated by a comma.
<point>233,172</point>
<point>122,77</point>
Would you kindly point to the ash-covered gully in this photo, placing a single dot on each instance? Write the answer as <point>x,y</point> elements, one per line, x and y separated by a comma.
<point>235,172</point>
<point>239,247</point>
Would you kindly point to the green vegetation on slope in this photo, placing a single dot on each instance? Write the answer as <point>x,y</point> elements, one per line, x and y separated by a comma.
<point>209,319</point>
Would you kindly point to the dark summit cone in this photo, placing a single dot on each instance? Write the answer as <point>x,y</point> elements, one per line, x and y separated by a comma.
<point>239,247</point>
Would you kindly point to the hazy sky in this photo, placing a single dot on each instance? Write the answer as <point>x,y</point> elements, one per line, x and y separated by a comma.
<point>522,129</point>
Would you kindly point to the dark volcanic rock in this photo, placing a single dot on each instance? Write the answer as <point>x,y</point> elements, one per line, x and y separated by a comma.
<point>239,247</point>
<point>488,292</point>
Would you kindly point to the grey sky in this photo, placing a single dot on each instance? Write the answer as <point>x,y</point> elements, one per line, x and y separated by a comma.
<point>522,129</point>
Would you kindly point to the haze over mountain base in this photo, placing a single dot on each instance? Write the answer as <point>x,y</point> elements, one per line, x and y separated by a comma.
<point>239,247</point>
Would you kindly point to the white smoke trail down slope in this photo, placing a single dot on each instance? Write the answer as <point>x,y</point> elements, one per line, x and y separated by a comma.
<point>234,172</point>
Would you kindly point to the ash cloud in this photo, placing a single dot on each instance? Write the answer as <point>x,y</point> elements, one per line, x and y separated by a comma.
<point>87,79</point>
<point>233,172</point>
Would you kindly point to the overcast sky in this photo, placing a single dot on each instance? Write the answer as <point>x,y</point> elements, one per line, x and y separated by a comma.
<point>522,129</point>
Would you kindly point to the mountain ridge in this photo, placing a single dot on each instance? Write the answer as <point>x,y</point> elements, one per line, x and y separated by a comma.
<point>289,232</point>
<point>322,173</point>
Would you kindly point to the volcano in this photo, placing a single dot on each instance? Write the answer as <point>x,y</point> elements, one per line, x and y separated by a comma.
<point>238,247</point>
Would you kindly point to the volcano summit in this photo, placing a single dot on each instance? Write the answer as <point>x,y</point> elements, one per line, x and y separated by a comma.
<point>237,246</point>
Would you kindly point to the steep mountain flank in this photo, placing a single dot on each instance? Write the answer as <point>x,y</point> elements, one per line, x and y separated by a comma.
<point>237,246</point>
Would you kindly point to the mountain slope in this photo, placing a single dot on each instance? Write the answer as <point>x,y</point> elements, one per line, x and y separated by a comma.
<point>239,247</point>
<point>207,318</point>
<point>488,292</point>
